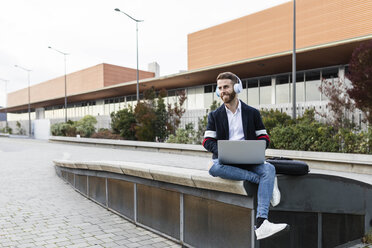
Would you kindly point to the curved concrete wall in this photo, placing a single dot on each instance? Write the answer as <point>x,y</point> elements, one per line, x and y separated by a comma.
<point>197,210</point>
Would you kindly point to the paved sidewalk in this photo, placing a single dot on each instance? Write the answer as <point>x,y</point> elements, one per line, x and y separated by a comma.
<point>38,209</point>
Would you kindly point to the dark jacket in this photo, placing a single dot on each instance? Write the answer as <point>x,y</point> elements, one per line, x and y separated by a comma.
<point>218,127</point>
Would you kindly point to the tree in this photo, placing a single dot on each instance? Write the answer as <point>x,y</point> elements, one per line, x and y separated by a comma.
<point>161,121</point>
<point>340,103</point>
<point>175,113</point>
<point>123,123</point>
<point>360,74</point>
<point>145,115</point>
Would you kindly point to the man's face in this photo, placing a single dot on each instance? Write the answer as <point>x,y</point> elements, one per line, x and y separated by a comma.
<point>226,87</point>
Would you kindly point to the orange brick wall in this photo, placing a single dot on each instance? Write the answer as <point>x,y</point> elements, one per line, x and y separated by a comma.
<point>270,31</point>
<point>92,78</point>
<point>116,74</point>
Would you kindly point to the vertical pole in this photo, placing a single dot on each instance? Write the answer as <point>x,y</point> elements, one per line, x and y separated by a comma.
<point>65,90</point>
<point>137,62</point>
<point>29,107</point>
<point>320,238</point>
<point>181,218</point>
<point>135,204</point>
<point>6,105</point>
<point>294,63</point>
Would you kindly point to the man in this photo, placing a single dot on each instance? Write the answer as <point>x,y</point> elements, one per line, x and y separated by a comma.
<point>235,120</point>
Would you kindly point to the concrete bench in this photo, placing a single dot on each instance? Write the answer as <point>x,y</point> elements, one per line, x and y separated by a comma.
<point>197,210</point>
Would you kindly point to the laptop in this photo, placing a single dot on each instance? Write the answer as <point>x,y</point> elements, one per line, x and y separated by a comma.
<point>241,151</point>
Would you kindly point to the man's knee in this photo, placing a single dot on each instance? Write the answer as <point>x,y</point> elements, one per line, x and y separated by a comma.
<point>270,170</point>
<point>214,170</point>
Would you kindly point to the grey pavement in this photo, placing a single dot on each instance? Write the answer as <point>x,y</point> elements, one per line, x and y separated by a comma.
<point>38,209</point>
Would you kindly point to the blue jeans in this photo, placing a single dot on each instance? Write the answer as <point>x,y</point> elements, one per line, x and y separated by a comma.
<point>263,175</point>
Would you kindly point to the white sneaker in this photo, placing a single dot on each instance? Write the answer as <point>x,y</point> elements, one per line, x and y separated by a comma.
<point>268,229</point>
<point>275,199</point>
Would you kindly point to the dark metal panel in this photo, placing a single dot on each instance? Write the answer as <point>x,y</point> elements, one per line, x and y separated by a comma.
<point>70,178</point>
<point>120,197</point>
<point>317,193</point>
<point>159,209</point>
<point>229,198</point>
<point>81,184</point>
<point>64,175</point>
<point>97,189</point>
<point>210,223</point>
<point>303,230</point>
<point>339,229</point>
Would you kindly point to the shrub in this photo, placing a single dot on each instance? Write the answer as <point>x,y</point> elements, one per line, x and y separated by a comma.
<point>183,135</point>
<point>20,130</point>
<point>64,129</point>
<point>123,123</point>
<point>145,118</point>
<point>85,126</point>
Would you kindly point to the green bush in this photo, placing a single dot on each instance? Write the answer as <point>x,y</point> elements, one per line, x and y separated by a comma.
<point>85,126</point>
<point>64,129</point>
<point>272,118</point>
<point>183,135</point>
<point>123,122</point>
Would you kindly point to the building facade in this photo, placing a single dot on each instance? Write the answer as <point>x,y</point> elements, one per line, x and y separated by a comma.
<point>257,47</point>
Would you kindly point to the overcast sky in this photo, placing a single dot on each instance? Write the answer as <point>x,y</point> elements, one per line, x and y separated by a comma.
<point>93,33</point>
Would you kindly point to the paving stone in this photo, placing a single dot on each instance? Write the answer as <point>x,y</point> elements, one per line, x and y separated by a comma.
<point>50,213</point>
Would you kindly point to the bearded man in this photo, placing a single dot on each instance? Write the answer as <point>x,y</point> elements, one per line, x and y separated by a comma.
<point>235,120</point>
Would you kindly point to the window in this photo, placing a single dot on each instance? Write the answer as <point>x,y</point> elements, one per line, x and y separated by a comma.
<point>283,79</point>
<point>299,77</point>
<point>312,75</point>
<point>266,81</point>
<point>208,89</point>
<point>330,73</point>
<point>244,82</point>
<point>116,100</point>
<point>121,99</point>
<point>252,83</point>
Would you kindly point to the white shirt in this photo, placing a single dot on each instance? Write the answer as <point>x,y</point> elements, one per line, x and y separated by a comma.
<point>235,123</point>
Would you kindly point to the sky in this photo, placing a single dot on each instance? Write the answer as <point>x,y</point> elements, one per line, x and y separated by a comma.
<point>91,32</point>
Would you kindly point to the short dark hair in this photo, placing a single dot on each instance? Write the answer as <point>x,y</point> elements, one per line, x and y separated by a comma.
<point>228,75</point>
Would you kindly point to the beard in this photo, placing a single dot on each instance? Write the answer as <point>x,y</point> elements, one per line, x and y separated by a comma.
<point>230,97</point>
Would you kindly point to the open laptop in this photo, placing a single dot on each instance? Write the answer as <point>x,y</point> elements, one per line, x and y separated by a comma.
<point>241,151</point>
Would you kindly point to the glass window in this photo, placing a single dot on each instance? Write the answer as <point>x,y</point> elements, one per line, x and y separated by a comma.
<point>282,79</point>
<point>252,83</point>
<point>312,75</point>
<point>121,99</point>
<point>171,93</point>
<point>330,73</point>
<point>116,100</point>
<point>266,81</point>
<point>208,89</point>
<point>299,77</point>
<point>106,101</point>
<point>244,82</point>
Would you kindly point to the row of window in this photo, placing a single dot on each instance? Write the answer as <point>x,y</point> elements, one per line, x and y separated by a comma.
<point>312,75</point>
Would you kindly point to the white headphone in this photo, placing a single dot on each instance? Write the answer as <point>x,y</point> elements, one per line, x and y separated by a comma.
<point>238,87</point>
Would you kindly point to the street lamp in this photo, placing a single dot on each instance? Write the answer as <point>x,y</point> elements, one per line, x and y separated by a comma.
<point>29,107</point>
<point>294,63</point>
<point>6,105</point>
<point>137,21</point>
<point>64,55</point>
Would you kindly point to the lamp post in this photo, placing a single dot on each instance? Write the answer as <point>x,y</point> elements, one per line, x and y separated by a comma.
<point>64,55</point>
<point>137,21</point>
<point>6,104</point>
<point>29,107</point>
<point>294,63</point>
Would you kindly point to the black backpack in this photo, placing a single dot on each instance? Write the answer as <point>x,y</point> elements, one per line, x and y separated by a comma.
<point>288,166</point>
